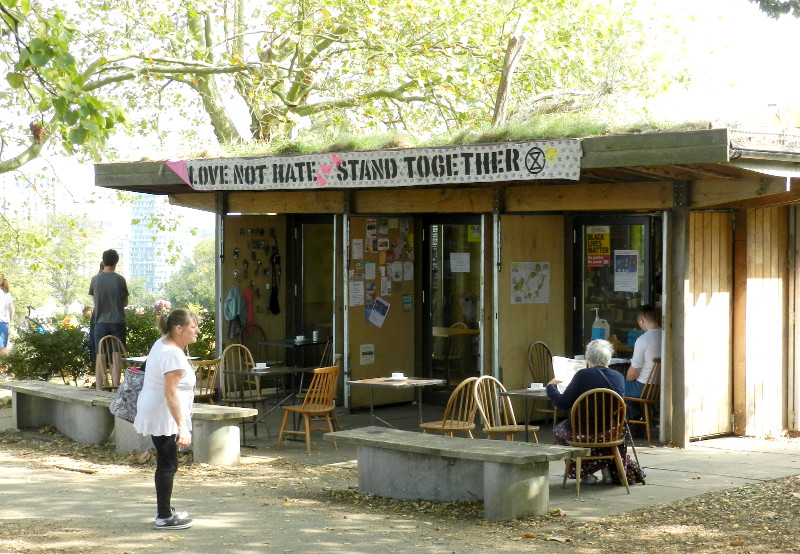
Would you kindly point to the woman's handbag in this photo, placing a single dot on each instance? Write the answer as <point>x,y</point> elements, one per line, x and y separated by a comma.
<point>124,404</point>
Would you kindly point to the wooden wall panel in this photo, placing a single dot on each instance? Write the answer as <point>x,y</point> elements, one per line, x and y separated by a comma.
<point>708,324</point>
<point>394,342</point>
<point>531,239</point>
<point>767,302</point>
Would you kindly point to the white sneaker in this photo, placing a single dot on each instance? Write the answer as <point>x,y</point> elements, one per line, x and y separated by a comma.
<point>589,480</point>
<point>173,522</point>
<point>181,514</point>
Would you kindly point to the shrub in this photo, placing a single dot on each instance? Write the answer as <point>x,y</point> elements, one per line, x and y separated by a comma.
<point>142,332</point>
<point>59,351</point>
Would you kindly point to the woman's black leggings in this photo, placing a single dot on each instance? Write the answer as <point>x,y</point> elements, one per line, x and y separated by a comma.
<point>166,466</point>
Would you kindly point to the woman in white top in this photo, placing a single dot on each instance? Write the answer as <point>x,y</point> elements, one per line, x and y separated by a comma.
<point>164,408</point>
<point>6,314</point>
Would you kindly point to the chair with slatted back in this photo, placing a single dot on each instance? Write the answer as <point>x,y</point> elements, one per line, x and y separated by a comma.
<point>651,395</point>
<point>253,337</point>
<point>108,363</point>
<point>540,365</point>
<point>205,388</point>
<point>497,413</point>
<point>597,419</point>
<point>451,351</point>
<point>459,414</point>
<point>317,402</point>
<point>237,389</point>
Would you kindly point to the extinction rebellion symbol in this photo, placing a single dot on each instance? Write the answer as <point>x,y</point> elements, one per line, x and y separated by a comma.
<point>535,160</point>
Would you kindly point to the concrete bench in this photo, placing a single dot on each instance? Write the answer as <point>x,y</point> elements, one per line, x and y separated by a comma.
<point>510,477</point>
<point>82,415</point>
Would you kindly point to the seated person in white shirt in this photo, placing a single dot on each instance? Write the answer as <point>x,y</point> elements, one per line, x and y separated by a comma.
<point>647,347</point>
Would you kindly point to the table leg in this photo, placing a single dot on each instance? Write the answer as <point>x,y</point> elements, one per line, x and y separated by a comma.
<point>419,403</point>
<point>527,422</point>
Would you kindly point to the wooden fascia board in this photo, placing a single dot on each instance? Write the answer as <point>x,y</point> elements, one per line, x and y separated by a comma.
<point>204,201</point>
<point>652,149</point>
<point>596,197</point>
<point>124,175</point>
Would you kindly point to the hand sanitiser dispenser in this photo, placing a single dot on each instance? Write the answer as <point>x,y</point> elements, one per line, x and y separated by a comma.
<point>600,328</point>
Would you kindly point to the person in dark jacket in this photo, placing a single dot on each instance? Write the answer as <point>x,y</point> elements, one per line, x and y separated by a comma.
<point>596,375</point>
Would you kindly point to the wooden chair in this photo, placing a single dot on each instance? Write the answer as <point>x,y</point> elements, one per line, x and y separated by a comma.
<point>241,390</point>
<point>598,421</point>
<point>108,363</point>
<point>452,351</point>
<point>317,402</point>
<point>540,365</point>
<point>252,336</point>
<point>459,414</point>
<point>651,395</point>
<point>496,411</point>
<point>206,387</point>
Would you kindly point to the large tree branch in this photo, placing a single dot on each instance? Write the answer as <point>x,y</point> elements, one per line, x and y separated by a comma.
<point>516,46</point>
<point>396,94</point>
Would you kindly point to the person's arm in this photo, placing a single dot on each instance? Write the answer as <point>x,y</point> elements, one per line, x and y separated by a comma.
<point>125,302</point>
<point>10,312</point>
<point>571,393</point>
<point>637,359</point>
<point>171,380</point>
<point>633,373</point>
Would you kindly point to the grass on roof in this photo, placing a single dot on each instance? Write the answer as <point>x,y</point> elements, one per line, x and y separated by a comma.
<point>555,127</point>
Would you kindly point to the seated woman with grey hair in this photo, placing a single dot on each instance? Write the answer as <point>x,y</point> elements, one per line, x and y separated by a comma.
<point>596,375</point>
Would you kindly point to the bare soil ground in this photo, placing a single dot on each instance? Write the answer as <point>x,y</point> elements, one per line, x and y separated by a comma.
<point>759,518</point>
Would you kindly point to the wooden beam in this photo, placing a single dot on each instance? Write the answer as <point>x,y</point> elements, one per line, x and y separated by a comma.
<point>718,192</point>
<point>418,200</point>
<point>287,202</point>
<point>625,196</point>
<point>204,201</point>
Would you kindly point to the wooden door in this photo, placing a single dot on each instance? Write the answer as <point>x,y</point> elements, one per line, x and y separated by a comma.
<point>709,293</point>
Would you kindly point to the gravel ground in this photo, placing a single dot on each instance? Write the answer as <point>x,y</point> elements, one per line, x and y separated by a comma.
<point>758,518</point>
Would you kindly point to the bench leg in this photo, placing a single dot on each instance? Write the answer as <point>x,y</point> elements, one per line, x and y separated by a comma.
<point>512,491</point>
<point>216,442</point>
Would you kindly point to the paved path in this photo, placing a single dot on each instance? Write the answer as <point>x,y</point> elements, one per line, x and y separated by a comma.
<point>231,518</point>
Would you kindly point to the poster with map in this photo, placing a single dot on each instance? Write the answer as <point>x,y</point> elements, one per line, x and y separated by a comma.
<point>530,282</point>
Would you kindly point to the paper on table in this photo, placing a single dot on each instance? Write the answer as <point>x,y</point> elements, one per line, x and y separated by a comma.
<point>564,370</point>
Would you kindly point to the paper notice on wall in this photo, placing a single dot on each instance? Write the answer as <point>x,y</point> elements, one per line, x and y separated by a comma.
<point>379,311</point>
<point>564,369</point>
<point>367,354</point>
<point>397,271</point>
<point>408,271</point>
<point>386,285</point>
<point>626,270</point>
<point>459,262</point>
<point>358,249</point>
<point>356,293</point>
<point>369,270</point>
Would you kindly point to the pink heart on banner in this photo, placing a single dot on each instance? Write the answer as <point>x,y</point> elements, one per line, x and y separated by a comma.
<point>321,180</point>
<point>336,159</point>
<point>326,169</point>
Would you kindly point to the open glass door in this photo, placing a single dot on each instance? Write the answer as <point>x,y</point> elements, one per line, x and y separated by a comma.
<point>617,269</point>
<point>314,296</point>
<point>452,299</point>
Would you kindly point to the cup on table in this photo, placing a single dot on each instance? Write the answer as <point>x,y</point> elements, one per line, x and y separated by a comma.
<point>261,365</point>
<point>580,357</point>
<point>536,386</point>
<point>300,338</point>
<point>398,376</point>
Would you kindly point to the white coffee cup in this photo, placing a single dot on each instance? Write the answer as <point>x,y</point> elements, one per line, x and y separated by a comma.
<point>300,338</point>
<point>580,357</point>
<point>261,365</point>
<point>398,375</point>
<point>536,386</point>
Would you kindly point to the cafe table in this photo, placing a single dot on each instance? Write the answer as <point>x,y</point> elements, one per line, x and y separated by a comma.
<point>391,383</point>
<point>267,372</point>
<point>527,394</point>
<point>297,347</point>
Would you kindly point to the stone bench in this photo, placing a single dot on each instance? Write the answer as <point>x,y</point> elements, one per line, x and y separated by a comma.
<point>82,415</point>
<point>510,477</point>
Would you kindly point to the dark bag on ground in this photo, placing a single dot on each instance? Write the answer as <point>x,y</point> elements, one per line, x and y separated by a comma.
<point>124,404</point>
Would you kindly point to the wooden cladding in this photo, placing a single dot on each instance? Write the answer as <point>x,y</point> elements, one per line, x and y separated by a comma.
<point>708,317</point>
<point>763,400</point>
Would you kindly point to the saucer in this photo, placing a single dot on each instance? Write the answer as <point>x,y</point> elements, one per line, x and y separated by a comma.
<point>398,378</point>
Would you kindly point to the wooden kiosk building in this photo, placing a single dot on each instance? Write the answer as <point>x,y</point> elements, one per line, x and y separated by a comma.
<point>387,253</point>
